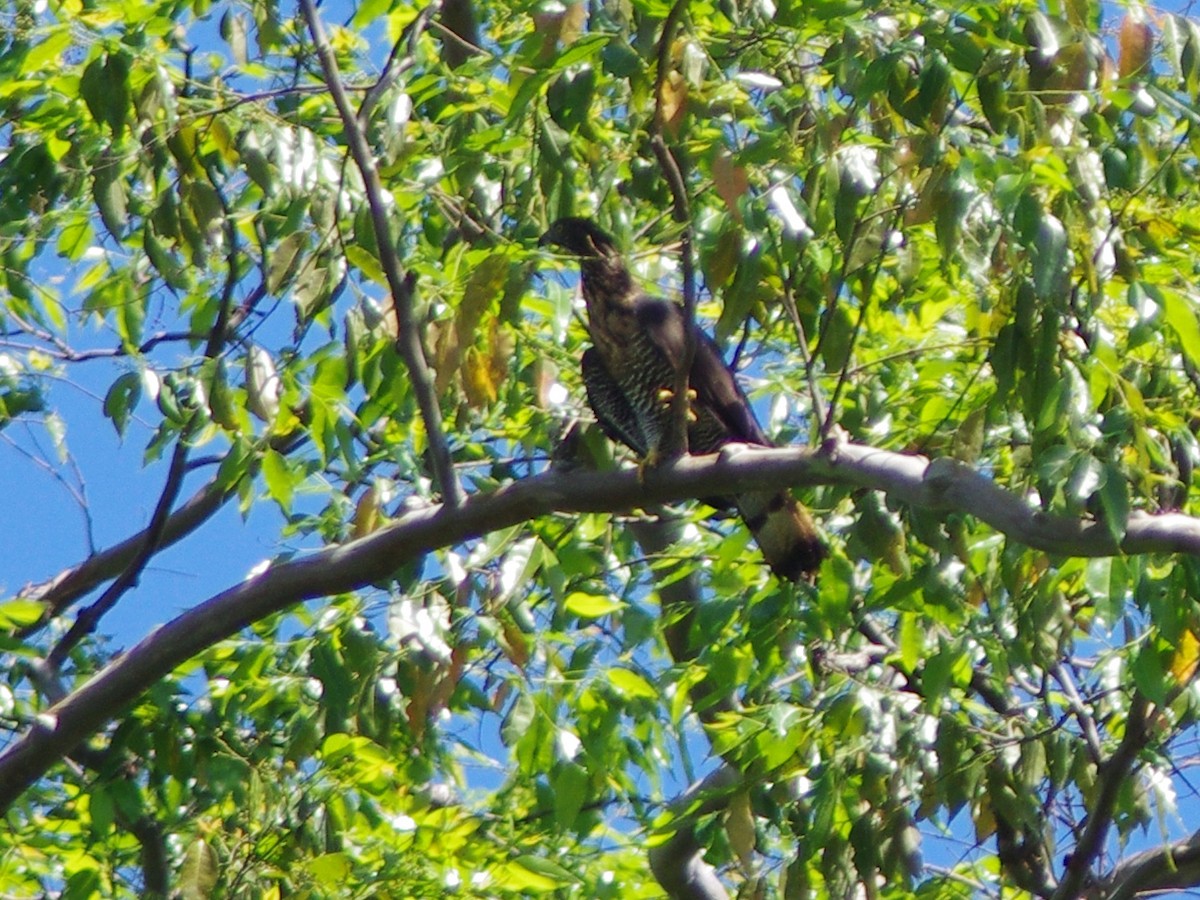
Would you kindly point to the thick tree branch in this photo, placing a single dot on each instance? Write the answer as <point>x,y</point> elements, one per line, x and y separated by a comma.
<point>408,342</point>
<point>1173,867</point>
<point>679,863</point>
<point>941,485</point>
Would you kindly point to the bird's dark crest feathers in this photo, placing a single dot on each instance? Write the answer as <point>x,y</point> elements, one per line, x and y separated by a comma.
<point>638,344</point>
<point>579,236</point>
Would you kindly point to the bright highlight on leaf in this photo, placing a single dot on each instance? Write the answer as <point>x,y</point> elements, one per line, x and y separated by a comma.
<point>591,606</point>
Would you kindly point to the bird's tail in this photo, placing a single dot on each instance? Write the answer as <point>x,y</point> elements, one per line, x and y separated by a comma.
<point>785,534</point>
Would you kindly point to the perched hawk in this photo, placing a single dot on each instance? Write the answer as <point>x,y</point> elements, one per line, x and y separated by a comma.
<point>629,373</point>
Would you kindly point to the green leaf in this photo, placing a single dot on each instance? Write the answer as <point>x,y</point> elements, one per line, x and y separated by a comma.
<point>285,261</point>
<point>1114,500</point>
<point>1180,314</point>
<point>570,792</point>
<point>108,190</point>
<point>910,640</point>
<point>1150,671</point>
<point>278,477</point>
<point>122,397</point>
<point>591,606</point>
<point>16,614</point>
<point>198,872</point>
<point>542,874</point>
<point>1049,256</point>
<point>631,685</point>
<point>330,869</point>
<point>101,811</point>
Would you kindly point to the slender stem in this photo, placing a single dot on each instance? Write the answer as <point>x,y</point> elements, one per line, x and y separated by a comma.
<point>677,441</point>
<point>408,342</point>
<point>1111,777</point>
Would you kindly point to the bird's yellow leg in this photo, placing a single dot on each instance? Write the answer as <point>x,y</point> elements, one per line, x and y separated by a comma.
<point>649,461</point>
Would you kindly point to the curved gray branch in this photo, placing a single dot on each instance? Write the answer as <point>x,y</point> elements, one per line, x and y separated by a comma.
<point>678,864</point>
<point>348,567</point>
<point>1175,866</point>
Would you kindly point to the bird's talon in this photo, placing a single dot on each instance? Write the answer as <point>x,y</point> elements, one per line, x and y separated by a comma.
<point>649,461</point>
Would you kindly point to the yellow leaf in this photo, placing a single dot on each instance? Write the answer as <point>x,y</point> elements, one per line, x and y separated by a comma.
<point>477,379</point>
<point>1186,657</point>
<point>366,513</point>
<point>591,606</point>
<point>672,101</point>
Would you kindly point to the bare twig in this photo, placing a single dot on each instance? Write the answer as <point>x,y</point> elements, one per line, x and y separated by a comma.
<point>397,65</point>
<point>408,343</point>
<point>677,441</point>
<point>89,618</point>
<point>1087,722</point>
<point>73,583</point>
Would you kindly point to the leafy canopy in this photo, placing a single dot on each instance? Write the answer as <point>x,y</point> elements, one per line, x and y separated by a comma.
<point>300,248</point>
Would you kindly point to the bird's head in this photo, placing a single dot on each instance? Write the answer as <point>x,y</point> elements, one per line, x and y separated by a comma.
<point>578,236</point>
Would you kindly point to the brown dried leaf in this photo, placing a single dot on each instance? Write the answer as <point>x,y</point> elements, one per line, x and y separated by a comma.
<point>502,346</point>
<point>1136,46</point>
<point>672,101</point>
<point>730,181</point>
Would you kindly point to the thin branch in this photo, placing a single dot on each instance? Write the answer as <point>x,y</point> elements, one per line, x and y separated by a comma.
<point>941,485</point>
<point>1110,778</point>
<point>868,290</point>
<point>78,495</point>
<point>71,584</point>
<point>677,441</point>
<point>87,620</point>
<point>408,343</point>
<point>1087,722</point>
<point>793,311</point>
<point>396,65</point>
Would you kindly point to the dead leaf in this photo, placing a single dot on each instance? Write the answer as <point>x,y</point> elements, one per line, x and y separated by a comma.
<point>672,101</point>
<point>1136,43</point>
<point>730,181</point>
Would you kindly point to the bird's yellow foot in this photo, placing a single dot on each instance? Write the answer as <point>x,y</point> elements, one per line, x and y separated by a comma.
<point>649,461</point>
<point>666,396</point>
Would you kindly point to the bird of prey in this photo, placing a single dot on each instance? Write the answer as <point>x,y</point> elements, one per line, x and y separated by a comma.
<point>638,343</point>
